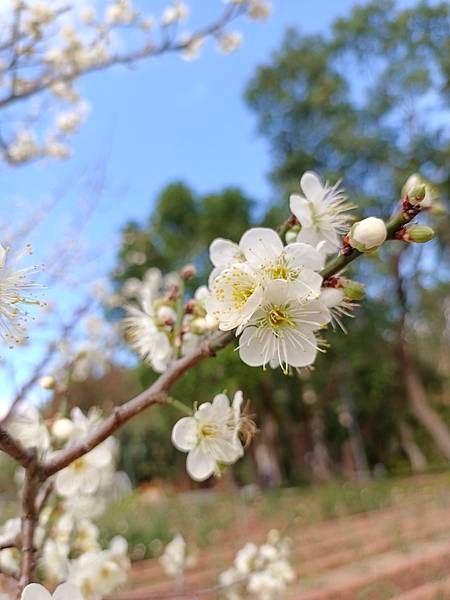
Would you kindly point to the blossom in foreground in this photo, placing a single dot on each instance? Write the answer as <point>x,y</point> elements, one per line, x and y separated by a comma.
<point>66,591</point>
<point>16,290</point>
<point>262,572</point>
<point>175,559</point>
<point>282,331</point>
<point>339,306</point>
<point>210,436</point>
<point>322,212</point>
<point>239,287</point>
<point>367,234</point>
<point>296,263</point>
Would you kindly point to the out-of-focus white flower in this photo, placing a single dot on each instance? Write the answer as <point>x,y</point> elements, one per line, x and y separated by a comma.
<point>262,572</point>
<point>54,560</point>
<point>210,436</point>
<point>27,426</point>
<point>282,331</point>
<point>177,12</point>
<point>322,212</point>
<point>367,234</point>
<point>175,559</point>
<point>88,15</point>
<point>192,47</point>
<point>62,429</point>
<point>65,591</point>
<point>97,574</point>
<point>23,147</point>
<point>259,10</point>
<point>120,12</point>
<point>15,296</point>
<point>230,41</point>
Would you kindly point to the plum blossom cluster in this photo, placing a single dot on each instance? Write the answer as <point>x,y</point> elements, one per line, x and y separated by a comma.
<point>161,325</point>
<point>261,572</point>
<point>47,45</point>
<point>66,536</point>
<point>271,293</point>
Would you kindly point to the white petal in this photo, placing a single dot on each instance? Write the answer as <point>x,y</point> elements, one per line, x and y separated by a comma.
<point>304,255</point>
<point>315,312</point>
<point>66,484</point>
<point>261,245</point>
<point>310,236</point>
<point>299,207</point>
<point>250,348</point>
<point>222,252</point>
<point>67,591</point>
<point>200,465</point>
<point>224,450</point>
<point>221,407</point>
<point>312,187</point>
<point>297,356</point>
<point>308,285</point>
<point>278,291</point>
<point>184,434</point>
<point>35,591</point>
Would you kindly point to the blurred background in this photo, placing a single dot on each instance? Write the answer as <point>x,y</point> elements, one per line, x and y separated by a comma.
<point>173,155</point>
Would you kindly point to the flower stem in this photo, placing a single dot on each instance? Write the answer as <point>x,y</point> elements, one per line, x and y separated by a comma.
<point>180,406</point>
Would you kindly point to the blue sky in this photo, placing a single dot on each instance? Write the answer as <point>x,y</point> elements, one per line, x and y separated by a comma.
<point>162,120</point>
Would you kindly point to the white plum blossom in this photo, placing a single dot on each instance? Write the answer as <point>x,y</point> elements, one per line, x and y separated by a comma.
<point>27,426</point>
<point>210,436</point>
<point>230,41</point>
<point>98,574</point>
<point>16,295</point>
<point>367,234</point>
<point>296,263</point>
<point>175,558</point>
<point>65,591</point>
<point>322,212</point>
<point>176,12</point>
<point>282,331</point>
<point>147,337</point>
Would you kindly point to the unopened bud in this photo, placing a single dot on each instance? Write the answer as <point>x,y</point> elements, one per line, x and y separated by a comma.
<point>353,290</point>
<point>419,233</point>
<point>291,236</point>
<point>188,272</point>
<point>166,315</point>
<point>417,191</point>
<point>62,429</point>
<point>367,234</point>
<point>47,382</point>
<point>198,326</point>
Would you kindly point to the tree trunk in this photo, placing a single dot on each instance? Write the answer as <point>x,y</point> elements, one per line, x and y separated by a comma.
<point>415,391</point>
<point>419,406</point>
<point>415,455</point>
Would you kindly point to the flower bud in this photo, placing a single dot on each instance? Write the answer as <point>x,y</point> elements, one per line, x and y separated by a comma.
<point>417,191</point>
<point>353,290</point>
<point>47,382</point>
<point>188,272</point>
<point>62,429</point>
<point>419,233</point>
<point>166,315</point>
<point>291,236</point>
<point>367,234</point>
